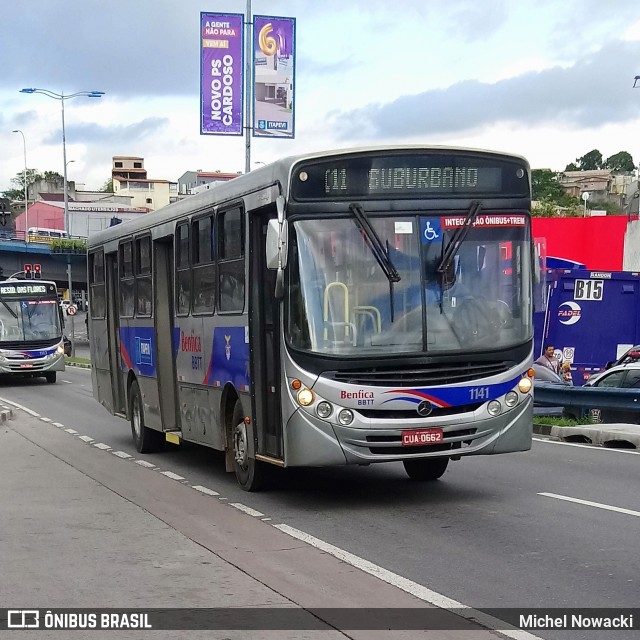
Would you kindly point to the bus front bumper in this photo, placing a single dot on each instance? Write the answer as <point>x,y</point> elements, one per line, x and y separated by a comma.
<point>31,366</point>
<point>310,441</point>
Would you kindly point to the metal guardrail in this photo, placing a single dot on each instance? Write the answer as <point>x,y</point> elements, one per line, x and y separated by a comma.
<point>557,395</point>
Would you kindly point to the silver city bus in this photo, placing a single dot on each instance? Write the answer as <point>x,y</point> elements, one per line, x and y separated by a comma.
<point>31,339</point>
<point>348,307</point>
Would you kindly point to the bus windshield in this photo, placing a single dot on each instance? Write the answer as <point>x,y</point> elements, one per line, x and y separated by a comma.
<point>341,303</point>
<point>29,320</point>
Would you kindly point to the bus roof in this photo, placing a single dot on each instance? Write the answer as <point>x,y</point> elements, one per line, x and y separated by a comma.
<point>278,172</point>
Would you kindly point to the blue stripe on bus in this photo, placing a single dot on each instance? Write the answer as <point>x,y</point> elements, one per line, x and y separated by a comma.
<point>454,396</point>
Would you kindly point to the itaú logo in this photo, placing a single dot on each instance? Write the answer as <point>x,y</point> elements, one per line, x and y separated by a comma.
<point>569,312</point>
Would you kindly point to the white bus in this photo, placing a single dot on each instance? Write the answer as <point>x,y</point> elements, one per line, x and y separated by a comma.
<point>31,329</point>
<point>350,307</point>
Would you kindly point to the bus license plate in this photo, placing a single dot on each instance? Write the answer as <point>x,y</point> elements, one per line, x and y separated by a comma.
<point>421,437</point>
<point>26,365</point>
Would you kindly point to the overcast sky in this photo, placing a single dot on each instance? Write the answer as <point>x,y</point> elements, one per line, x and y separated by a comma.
<point>545,79</point>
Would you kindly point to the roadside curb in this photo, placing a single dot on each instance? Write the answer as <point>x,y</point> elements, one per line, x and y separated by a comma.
<point>6,413</point>
<point>610,436</point>
<point>79,365</point>
<point>542,429</point>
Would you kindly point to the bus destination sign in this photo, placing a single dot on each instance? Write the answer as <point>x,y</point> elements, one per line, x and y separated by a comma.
<point>406,176</point>
<point>22,289</point>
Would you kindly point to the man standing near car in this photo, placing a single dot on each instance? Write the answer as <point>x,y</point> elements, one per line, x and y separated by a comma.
<point>548,360</point>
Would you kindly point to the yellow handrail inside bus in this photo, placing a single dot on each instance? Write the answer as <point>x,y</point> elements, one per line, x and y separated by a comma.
<point>370,311</point>
<point>345,290</point>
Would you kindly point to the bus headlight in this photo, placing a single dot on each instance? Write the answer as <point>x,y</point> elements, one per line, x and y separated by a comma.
<point>305,397</point>
<point>494,408</point>
<point>345,417</point>
<point>324,409</point>
<point>525,384</point>
<point>511,399</point>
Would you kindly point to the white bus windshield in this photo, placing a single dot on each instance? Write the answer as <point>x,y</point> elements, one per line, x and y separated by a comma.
<point>24,320</point>
<point>341,303</point>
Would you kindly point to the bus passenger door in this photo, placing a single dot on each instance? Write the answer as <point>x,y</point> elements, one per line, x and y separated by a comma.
<point>163,306</point>
<point>264,337</point>
<point>113,330</point>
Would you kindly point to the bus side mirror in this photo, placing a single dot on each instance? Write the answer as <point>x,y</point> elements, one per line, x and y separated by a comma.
<point>276,245</point>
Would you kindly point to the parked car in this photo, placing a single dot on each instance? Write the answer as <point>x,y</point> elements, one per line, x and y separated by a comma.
<point>628,357</point>
<point>65,304</point>
<point>622,376</point>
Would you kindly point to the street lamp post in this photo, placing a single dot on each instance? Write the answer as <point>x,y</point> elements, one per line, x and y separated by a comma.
<point>26,201</point>
<point>62,97</point>
<point>69,278</point>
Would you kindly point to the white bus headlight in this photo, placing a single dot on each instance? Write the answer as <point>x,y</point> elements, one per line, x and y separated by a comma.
<point>305,397</point>
<point>494,408</point>
<point>324,409</point>
<point>345,417</point>
<point>525,384</point>
<point>511,399</point>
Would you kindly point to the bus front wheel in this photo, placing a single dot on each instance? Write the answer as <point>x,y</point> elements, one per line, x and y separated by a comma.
<point>146,440</point>
<point>50,377</point>
<point>249,471</point>
<point>425,469</point>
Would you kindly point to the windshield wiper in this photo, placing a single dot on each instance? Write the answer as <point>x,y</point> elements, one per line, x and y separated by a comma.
<point>458,237</point>
<point>374,242</point>
<point>9,309</point>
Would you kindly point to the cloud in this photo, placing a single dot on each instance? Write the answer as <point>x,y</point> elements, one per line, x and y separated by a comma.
<point>99,134</point>
<point>594,91</point>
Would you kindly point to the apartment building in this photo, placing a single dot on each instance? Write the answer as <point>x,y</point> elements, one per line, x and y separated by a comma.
<point>130,179</point>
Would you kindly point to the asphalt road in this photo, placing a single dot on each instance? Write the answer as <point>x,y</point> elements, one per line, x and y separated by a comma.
<point>483,535</point>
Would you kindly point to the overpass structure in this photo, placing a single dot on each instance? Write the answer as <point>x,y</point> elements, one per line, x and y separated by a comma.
<point>14,254</point>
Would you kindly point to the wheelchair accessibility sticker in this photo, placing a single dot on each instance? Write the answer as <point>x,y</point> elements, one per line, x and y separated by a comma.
<point>430,230</point>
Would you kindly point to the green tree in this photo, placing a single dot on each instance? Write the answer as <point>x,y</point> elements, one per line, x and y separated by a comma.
<point>590,161</point>
<point>107,187</point>
<point>52,175</point>
<point>545,184</point>
<point>18,190</point>
<point>621,161</point>
<point>572,166</point>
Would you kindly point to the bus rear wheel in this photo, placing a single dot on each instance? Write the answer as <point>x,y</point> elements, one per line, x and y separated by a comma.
<point>425,469</point>
<point>146,440</point>
<point>249,471</point>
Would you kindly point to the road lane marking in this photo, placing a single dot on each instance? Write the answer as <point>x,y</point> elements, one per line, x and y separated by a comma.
<point>86,439</point>
<point>67,381</point>
<point>122,454</point>
<point>588,446</point>
<point>101,445</point>
<point>173,476</point>
<point>588,503</point>
<point>73,432</point>
<point>45,419</point>
<point>205,490</point>
<point>58,424</point>
<point>144,463</point>
<point>31,412</point>
<point>249,510</point>
<point>408,586</point>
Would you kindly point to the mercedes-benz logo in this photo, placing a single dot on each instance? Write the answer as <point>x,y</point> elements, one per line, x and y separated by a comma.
<point>424,408</point>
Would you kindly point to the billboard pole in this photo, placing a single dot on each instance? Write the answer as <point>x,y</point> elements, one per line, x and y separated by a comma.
<point>248,92</point>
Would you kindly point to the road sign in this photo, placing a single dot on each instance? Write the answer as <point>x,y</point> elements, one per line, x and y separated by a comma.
<point>72,310</point>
